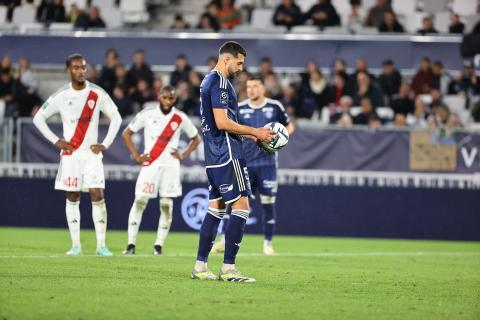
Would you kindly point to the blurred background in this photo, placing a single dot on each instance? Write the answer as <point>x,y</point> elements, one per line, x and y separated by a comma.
<point>385,95</point>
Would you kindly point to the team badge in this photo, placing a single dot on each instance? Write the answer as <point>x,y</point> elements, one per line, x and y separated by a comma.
<point>174,125</point>
<point>195,207</point>
<point>91,104</point>
<point>223,97</point>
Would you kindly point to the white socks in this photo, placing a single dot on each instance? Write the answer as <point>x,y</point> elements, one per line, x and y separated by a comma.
<point>135,218</point>
<point>166,208</point>
<point>72,210</point>
<point>99,215</point>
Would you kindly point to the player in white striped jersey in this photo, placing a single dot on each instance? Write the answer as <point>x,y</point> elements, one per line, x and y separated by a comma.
<point>160,174</point>
<point>79,104</point>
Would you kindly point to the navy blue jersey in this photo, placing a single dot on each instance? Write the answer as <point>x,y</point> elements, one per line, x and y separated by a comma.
<point>220,147</point>
<point>250,115</point>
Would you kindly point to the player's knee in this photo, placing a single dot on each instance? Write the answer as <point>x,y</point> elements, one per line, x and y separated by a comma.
<point>166,206</point>
<point>140,203</point>
<point>266,199</point>
<point>96,194</point>
<point>241,204</point>
<point>73,196</point>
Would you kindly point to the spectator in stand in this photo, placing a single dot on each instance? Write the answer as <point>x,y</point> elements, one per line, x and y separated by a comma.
<point>7,92</point>
<point>185,101</point>
<point>182,70</point>
<point>10,4</point>
<point>403,102</point>
<point>74,13</point>
<point>195,81</point>
<point>427,26</point>
<point>240,85</point>
<point>92,20</point>
<point>51,11</point>
<point>139,70</point>
<point>323,14</point>
<point>342,116</point>
<point>367,110</point>
<point>361,66</point>
<point>228,15</point>
<point>374,121</point>
<point>456,26</point>
<point>121,79</point>
<point>157,87</point>
<point>143,93</point>
<point>273,87</point>
<point>377,12</point>
<point>315,92</point>
<point>390,79</point>
<point>366,88</point>
<point>179,23</point>
<point>265,67</point>
<point>422,82</point>
<point>400,120</point>
<point>355,18</point>
<point>6,63</point>
<point>209,19</point>
<point>123,102</point>
<point>339,87</point>
<point>288,14</point>
<point>107,75</point>
<point>26,90</point>
<point>436,99</point>
<point>290,99</point>
<point>211,63</point>
<point>390,23</point>
<point>341,66</point>
<point>419,118</point>
<point>467,83</point>
<point>92,74</point>
<point>440,78</point>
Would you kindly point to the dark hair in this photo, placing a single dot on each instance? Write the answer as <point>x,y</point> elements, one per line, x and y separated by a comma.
<point>388,62</point>
<point>233,48</point>
<point>112,50</point>
<point>74,56</point>
<point>168,88</point>
<point>256,78</point>
<point>140,51</point>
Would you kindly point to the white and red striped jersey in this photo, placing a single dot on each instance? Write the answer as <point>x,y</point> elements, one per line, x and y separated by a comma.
<point>162,132</point>
<point>80,113</point>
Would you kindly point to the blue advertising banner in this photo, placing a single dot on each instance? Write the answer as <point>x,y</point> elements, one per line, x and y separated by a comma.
<point>316,148</point>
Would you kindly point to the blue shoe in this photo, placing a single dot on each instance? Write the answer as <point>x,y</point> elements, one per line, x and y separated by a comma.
<point>74,251</point>
<point>104,252</point>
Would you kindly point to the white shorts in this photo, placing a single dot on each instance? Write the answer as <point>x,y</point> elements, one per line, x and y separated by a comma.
<point>80,171</point>
<point>156,180</point>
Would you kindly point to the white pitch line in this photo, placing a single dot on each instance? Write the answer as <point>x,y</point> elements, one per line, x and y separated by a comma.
<point>307,255</point>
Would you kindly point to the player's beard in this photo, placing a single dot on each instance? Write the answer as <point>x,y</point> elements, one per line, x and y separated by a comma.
<point>165,110</point>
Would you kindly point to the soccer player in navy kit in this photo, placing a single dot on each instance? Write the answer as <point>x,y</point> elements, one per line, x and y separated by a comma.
<point>257,111</point>
<point>225,165</point>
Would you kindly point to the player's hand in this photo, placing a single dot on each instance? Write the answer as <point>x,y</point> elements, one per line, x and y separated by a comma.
<point>177,155</point>
<point>143,158</point>
<point>64,145</point>
<point>97,148</point>
<point>262,147</point>
<point>264,134</point>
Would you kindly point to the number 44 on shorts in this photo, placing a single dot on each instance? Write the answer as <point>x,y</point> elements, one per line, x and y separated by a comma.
<point>71,182</point>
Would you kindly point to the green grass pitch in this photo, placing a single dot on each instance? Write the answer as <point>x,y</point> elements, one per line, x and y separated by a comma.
<point>311,278</point>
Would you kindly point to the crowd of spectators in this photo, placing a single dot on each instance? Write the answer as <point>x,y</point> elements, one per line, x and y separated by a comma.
<point>416,101</point>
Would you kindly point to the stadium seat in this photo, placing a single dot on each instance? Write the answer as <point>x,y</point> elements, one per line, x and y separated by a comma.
<point>23,14</point>
<point>305,5</point>
<point>104,6</point>
<point>31,26</point>
<point>305,29</point>
<point>405,7</point>
<point>337,30</point>
<point>2,110</point>
<point>465,7</point>
<point>385,113</point>
<point>411,22</point>
<point>134,11</point>
<point>113,18</point>
<point>434,6</point>
<point>441,21</point>
<point>3,14</point>
<point>455,102</point>
<point>471,21</point>
<point>82,4</point>
<point>262,18</point>
<point>57,26</point>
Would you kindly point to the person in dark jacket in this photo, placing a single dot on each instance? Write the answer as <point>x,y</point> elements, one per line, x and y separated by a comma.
<point>288,14</point>
<point>390,23</point>
<point>323,14</point>
<point>92,20</point>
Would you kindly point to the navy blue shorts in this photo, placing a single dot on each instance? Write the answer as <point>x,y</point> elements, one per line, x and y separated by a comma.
<point>229,182</point>
<point>263,179</point>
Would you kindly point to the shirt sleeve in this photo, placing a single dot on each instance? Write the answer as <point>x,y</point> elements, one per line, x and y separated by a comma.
<point>137,123</point>
<point>189,128</point>
<point>219,94</point>
<point>107,106</point>
<point>49,108</point>
<point>282,115</point>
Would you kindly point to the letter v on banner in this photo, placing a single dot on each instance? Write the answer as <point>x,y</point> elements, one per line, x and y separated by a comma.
<point>469,157</point>
<point>83,122</point>
<point>164,138</point>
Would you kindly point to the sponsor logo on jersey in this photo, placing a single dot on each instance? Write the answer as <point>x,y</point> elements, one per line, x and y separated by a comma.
<point>195,207</point>
<point>224,97</point>
<point>174,125</point>
<point>224,188</point>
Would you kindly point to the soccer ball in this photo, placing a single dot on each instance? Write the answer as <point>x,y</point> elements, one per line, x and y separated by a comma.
<point>280,140</point>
